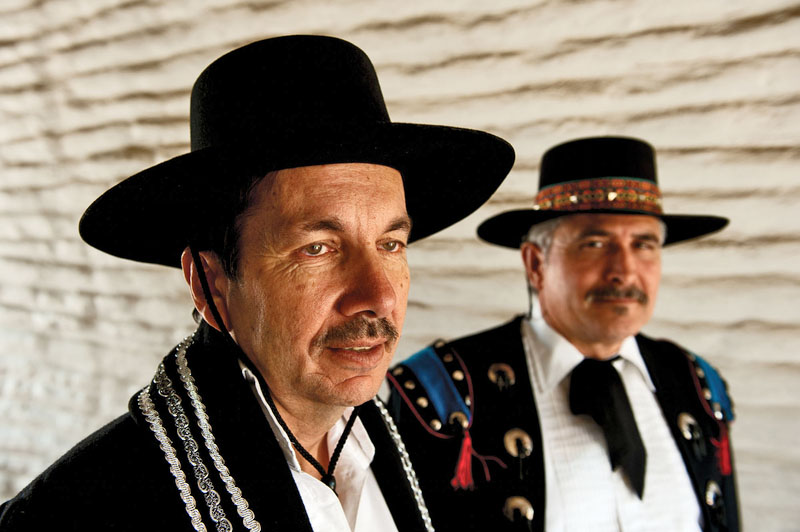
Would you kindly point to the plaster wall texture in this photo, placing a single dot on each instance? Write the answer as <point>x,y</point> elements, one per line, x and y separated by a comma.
<point>93,91</point>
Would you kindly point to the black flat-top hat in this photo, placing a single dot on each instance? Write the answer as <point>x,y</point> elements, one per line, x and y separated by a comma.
<point>614,175</point>
<point>282,103</point>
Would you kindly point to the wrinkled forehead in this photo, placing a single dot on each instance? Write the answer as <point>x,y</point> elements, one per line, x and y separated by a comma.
<point>586,224</point>
<point>350,190</point>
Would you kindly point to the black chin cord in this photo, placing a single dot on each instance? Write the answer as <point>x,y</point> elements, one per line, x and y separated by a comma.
<point>327,476</point>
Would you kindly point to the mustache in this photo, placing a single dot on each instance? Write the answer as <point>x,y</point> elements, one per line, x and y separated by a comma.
<point>358,329</point>
<point>613,292</point>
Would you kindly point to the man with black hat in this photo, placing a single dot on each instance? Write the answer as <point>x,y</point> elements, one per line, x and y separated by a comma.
<point>290,219</point>
<point>574,420</point>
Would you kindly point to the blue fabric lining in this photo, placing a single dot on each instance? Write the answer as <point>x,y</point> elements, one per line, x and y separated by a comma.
<point>717,388</point>
<point>433,376</point>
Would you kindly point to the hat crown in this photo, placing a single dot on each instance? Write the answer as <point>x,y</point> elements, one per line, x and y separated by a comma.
<point>598,157</point>
<point>274,87</point>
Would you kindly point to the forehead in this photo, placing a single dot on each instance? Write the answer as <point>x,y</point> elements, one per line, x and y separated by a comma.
<point>578,225</point>
<point>354,190</point>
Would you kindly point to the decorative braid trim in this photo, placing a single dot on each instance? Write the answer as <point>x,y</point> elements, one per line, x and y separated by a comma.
<point>405,460</point>
<point>190,447</point>
<point>623,193</point>
<point>150,413</point>
<point>242,506</point>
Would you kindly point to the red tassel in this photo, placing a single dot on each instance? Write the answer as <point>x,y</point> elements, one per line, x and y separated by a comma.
<point>463,476</point>
<point>723,453</point>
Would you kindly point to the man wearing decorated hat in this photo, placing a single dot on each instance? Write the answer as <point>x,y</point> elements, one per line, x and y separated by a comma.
<point>570,419</point>
<point>290,219</point>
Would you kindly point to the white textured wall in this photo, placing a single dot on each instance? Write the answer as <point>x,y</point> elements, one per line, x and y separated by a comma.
<point>92,91</point>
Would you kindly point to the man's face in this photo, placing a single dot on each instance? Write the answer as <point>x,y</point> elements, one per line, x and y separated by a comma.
<point>598,283</point>
<point>323,281</point>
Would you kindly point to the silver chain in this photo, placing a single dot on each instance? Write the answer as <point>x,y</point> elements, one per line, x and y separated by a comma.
<point>242,506</point>
<point>405,460</point>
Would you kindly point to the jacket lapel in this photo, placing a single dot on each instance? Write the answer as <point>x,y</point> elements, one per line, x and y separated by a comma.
<point>669,368</point>
<point>244,438</point>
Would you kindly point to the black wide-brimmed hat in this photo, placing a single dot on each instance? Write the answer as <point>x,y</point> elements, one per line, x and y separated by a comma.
<point>614,175</point>
<point>281,103</point>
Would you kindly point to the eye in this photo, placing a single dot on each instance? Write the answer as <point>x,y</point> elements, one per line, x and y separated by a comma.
<point>592,244</point>
<point>647,245</point>
<point>392,246</point>
<point>315,250</point>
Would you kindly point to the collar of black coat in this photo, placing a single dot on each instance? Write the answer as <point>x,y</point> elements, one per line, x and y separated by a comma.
<point>249,448</point>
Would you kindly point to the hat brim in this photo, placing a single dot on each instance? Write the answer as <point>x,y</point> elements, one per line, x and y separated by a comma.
<point>447,174</point>
<point>508,229</point>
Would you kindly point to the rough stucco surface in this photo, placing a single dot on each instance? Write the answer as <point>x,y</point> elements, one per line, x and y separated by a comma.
<point>93,91</point>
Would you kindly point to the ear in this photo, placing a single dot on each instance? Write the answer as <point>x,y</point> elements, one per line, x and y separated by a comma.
<point>533,259</point>
<point>218,285</point>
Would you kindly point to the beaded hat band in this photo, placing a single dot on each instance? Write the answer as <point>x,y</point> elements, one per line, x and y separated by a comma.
<point>626,193</point>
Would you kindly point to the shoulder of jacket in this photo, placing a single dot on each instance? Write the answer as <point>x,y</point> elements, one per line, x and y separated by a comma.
<point>436,383</point>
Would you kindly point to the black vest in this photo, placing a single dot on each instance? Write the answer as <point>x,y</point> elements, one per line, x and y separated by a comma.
<point>505,425</point>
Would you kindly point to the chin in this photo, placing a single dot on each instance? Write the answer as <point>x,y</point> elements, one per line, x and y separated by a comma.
<point>356,390</point>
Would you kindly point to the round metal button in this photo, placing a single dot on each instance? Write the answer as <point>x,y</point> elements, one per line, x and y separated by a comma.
<point>518,443</point>
<point>518,506</point>
<point>502,375</point>
<point>713,495</point>
<point>689,427</point>
<point>459,418</point>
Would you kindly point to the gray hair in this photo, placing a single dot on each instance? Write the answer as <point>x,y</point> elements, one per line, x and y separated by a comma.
<point>541,234</point>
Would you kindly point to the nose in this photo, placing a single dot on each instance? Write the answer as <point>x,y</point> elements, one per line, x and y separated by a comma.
<point>369,288</point>
<point>621,266</point>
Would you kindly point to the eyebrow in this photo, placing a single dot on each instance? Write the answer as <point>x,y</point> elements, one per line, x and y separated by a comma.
<point>647,236</point>
<point>328,224</point>
<point>591,231</point>
<point>401,223</point>
<point>599,232</point>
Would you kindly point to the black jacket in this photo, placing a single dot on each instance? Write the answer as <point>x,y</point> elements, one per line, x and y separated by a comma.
<point>119,479</point>
<point>680,379</point>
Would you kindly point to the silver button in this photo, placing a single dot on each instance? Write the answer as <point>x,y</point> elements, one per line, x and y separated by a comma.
<point>518,505</point>
<point>518,443</point>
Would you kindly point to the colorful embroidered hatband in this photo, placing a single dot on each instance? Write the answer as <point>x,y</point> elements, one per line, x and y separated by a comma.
<point>624,193</point>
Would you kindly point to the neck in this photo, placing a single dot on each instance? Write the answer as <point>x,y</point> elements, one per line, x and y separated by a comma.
<point>310,425</point>
<point>597,351</point>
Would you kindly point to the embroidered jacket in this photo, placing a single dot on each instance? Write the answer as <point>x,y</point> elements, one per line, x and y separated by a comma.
<point>474,393</point>
<point>123,478</point>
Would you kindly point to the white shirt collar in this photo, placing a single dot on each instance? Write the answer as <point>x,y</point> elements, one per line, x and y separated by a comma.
<point>555,357</point>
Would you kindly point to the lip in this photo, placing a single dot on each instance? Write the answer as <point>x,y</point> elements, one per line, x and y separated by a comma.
<point>361,359</point>
<point>615,300</point>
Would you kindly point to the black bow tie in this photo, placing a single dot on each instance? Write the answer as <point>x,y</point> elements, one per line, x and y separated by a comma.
<point>596,390</point>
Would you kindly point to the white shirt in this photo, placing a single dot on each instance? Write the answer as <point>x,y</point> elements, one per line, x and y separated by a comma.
<point>582,492</point>
<point>360,506</point>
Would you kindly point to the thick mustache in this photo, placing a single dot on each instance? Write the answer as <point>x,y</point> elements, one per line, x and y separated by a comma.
<point>359,329</point>
<point>613,292</point>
